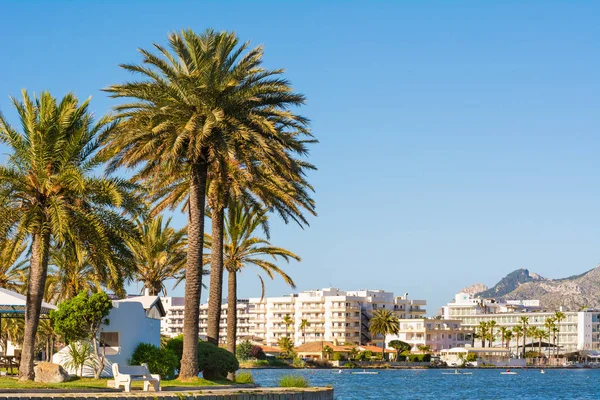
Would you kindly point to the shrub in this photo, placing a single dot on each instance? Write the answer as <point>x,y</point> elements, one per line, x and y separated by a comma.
<point>176,346</point>
<point>261,363</point>
<point>160,361</point>
<point>242,350</point>
<point>295,381</point>
<point>244,377</point>
<point>350,365</point>
<point>277,363</point>
<point>299,363</point>
<point>401,357</point>
<point>337,356</point>
<point>471,357</point>
<point>258,353</point>
<point>215,362</point>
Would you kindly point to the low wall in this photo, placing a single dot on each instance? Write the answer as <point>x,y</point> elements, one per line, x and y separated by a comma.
<point>217,394</point>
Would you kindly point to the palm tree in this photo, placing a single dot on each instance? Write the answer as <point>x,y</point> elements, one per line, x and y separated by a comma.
<point>159,254</point>
<point>491,325</point>
<point>287,320</point>
<point>540,334</point>
<point>524,323</point>
<point>241,248</point>
<point>303,325</point>
<point>503,333</point>
<point>559,316</point>
<point>483,328</point>
<point>286,346</point>
<point>200,112</point>
<point>518,332</point>
<point>384,322</point>
<point>73,273</point>
<point>49,193</point>
<point>550,325</point>
<point>12,266</point>
<point>508,337</point>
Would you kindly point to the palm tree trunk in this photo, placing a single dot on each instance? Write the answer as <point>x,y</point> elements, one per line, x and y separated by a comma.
<point>38,270</point>
<point>524,339</point>
<point>193,271</point>
<point>383,349</point>
<point>231,316</point>
<point>216,277</point>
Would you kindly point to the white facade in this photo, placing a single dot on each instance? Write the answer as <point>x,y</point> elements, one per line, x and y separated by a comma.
<point>438,334</point>
<point>467,304</point>
<point>173,322</point>
<point>332,315</point>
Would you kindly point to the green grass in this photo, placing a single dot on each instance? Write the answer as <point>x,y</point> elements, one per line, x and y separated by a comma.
<point>90,383</point>
<point>294,381</point>
<point>244,378</point>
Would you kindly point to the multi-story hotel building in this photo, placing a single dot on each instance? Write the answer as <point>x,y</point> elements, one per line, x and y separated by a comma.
<point>438,334</point>
<point>172,323</point>
<point>579,330</point>
<point>328,315</point>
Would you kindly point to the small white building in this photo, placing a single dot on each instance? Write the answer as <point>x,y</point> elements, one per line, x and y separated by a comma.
<point>438,334</point>
<point>132,321</point>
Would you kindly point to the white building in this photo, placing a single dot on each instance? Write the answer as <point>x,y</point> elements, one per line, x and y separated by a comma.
<point>132,321</point>
<point>332,315</point>
<point>438,334</point>
<point>173,322</point>
<point>577,331</point>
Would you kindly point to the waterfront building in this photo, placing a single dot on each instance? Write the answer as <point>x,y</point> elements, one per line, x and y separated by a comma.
<point>437,334</point>
<point>579,330</point>
<point>331,314</point>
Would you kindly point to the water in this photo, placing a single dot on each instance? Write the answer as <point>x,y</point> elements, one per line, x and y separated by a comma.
<point>529,384</point>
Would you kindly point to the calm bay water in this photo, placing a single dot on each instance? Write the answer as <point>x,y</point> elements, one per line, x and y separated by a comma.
<point>433,384</point>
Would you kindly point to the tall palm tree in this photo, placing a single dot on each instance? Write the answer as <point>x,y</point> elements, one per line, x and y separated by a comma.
<point>159,254</point>
<point>242,248</point>
<point>518,332</point>
<point>287,320</point>
<point>483,330</point>
<point>12,266</point>
<point>550,325</point>
<point>204,107</point>
<point>540,334</point>
<point>49,192</point>
<point>508,337</point>
<point>491,325</point>
<point>503,333</point>
<point>303,325</point>
<point>384,322</point>
<point>524,324</point>
<point>559,316</point>
<point>74,273</point>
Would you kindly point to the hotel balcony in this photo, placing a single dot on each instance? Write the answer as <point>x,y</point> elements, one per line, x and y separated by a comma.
<point>344,319</point>
<point>258,311</point>
<point>344,308</point>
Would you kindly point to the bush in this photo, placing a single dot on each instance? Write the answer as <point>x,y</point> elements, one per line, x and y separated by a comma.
<point>274,362</point>
<point>160,361</point>
<point>215,362</point>
<point>176,346</point>
<point>261,363</point>
<point>471,357</point>
<point>350,365</point>
<point>244,377</point>
<point>419,357</point>
<point>242,350</point>
<point>337,356</point>
<point>258,353</point>
<point>295,381</point>
<point>299,363</point>
<point>401,357</point>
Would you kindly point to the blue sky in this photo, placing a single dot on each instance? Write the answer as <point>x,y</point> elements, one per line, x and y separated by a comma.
<point>458,140</point>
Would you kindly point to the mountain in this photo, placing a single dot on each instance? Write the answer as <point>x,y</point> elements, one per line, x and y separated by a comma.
<point>473,289</point>
<point>572,292</point>
<point>510,282</point>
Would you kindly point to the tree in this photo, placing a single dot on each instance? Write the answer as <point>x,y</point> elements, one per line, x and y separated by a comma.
<point>287,320</point>
<point>524,323</point>
<point>503,333</point>
<point>203,112</point>
<point>12,266</point>
<point>286,346</point>
<point>49,193</point>
<point>482,334</point>
<point>518,332</point>
<point>491,325</point>
<point>327,352</point>
<point>540,334</point>
<point>559,316</point>
<point>80,319</point>
<point>159,254</point>
<point>242,248</point>
<point>399,346</point>
<point>303,325</point>
<point>550,324</point>
<point>242,351</point>
<point>384,322</point>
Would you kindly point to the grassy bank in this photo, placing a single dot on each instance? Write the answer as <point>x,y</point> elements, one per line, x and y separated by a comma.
<point>90,383</point>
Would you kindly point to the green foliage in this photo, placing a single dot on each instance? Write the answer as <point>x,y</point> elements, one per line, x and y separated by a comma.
<point>337,356</point>
<point>419,357</point>
<point>350,365</point>
<point>295,381</point>
<point>287,347</point>
<point>261,363</point>
<point>298,362</point>
<point>244,378</point>
<point>160,361</point>
<point>399,345</point>
<point>384,322</point>
<point>215,362</point>
<point>175,344</point>
<point>81,317</point>
<point>79,355</point>
<point>243,350</point>
<point>471,357</point>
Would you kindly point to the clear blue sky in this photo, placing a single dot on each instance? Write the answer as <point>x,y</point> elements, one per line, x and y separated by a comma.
<point>458,140</point>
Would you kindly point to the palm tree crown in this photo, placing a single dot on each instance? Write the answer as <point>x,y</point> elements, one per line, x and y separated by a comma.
<point>384,322</point>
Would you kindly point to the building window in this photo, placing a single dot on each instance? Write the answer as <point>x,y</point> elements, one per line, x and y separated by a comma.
<point>110,339</point>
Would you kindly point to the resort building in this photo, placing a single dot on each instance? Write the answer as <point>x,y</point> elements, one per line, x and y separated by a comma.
<point>172,324</point>
<point>329,314</point>
<point>579,330</point>
<point>437,334</point>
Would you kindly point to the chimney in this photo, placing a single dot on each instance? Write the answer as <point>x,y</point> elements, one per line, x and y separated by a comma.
<point>146,291</point>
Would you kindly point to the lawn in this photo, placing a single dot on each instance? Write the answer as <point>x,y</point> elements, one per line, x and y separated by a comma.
<point>90,383</point>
